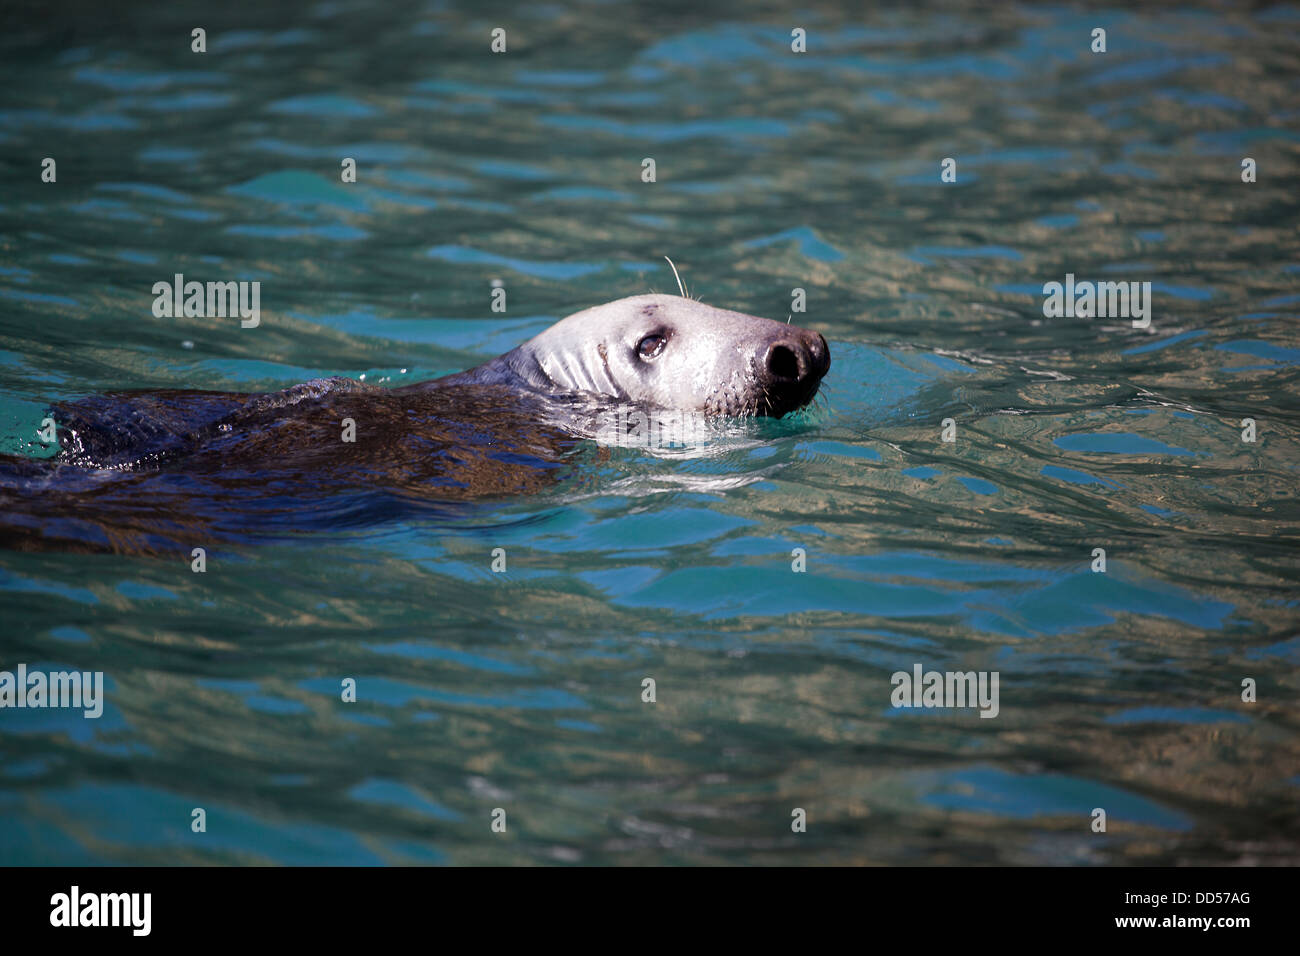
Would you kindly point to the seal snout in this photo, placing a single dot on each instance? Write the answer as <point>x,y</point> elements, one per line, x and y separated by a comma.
<point>793,367</point>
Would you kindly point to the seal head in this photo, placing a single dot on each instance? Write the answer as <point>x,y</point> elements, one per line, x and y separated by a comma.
<point>668,352</point>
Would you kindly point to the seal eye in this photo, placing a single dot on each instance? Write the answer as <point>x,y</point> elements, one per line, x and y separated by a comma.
<point>650,346</point>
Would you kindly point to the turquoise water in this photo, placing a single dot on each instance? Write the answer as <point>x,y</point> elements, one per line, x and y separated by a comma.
<point>522,690</point>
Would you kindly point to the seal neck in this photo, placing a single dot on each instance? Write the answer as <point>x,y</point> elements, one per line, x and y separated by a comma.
<point>516,368</point>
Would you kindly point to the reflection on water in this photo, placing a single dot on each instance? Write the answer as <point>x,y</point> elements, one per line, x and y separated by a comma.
<point>775,171</point>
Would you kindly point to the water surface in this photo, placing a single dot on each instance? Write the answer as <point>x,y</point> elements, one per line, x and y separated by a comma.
<point>775,171</point>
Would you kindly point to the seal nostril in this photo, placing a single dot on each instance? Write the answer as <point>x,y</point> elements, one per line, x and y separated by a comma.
<point>782,362</point>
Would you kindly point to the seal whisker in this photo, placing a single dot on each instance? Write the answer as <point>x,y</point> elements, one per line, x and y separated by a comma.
<point>681,287</point>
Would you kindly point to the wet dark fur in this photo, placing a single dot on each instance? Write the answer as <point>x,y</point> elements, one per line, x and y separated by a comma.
<point>165,471</point>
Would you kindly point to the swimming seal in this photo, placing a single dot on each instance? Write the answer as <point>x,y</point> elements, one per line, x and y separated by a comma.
<point>154,471</point>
